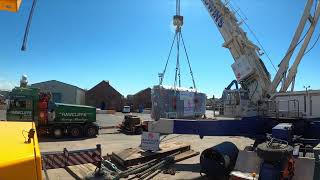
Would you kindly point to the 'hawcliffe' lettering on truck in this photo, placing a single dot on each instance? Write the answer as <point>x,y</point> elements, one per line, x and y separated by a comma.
<point>73,114</point>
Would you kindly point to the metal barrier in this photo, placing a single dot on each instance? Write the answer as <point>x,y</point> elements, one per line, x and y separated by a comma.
<point>273,109</point>
<point>54,160</point>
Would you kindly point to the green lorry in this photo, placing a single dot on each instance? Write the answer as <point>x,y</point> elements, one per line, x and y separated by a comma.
<point>54,119</point>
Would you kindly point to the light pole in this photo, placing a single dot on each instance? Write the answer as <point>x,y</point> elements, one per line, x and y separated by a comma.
<point>160,75</point>
<point>306,87</point>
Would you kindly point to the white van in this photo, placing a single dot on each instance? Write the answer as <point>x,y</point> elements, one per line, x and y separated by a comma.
<point>126,109</point>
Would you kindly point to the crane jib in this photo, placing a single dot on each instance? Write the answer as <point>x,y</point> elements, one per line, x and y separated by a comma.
<point>215,13</point>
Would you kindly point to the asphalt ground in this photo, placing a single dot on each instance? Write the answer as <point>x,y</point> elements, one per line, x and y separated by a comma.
<point>111,140</point>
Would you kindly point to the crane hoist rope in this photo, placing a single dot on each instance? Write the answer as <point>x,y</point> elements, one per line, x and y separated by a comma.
<point>178,40</point>
<point>13,6</point>
<point>26,32</point>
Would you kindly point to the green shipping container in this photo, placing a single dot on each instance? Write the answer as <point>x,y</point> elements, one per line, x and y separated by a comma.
<point>66,113</point>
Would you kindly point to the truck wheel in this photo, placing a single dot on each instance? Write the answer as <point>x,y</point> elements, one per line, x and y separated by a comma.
<point>57,132</point>
<point>75,131</point>
<point>91,131</point>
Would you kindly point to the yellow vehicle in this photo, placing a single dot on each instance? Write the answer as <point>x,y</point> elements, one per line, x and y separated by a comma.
<point>20,156</point>
<point>10,5</point>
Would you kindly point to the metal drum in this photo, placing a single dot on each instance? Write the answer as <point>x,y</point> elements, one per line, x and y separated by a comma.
<point>218,161</point>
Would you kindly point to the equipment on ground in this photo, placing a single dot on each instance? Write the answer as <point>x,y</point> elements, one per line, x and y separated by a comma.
<point>54,119</point>
<point>132,124</point>
<point>219,160</point>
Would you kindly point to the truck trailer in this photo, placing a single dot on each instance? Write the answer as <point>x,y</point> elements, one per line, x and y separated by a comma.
<point>53,119</point>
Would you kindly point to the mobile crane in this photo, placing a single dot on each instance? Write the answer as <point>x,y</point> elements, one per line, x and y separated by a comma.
<point>278,121</point>
<point>249,69</point>
<point>258,95</point>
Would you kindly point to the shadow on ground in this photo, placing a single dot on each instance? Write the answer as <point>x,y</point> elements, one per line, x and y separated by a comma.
<point>52,139</point>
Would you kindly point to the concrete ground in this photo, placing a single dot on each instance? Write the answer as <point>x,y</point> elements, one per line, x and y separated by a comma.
<point>111,140</point>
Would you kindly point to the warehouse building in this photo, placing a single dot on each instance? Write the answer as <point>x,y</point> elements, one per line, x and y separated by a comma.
<point>104,96</point>
<point>4,94</point>
<point>62,92</point>
<point>141,99</point>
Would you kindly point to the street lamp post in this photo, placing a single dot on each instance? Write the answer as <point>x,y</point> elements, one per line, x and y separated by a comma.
<point>307,88</point>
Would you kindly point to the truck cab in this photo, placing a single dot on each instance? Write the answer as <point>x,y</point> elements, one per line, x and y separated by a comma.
<point>23,104</point>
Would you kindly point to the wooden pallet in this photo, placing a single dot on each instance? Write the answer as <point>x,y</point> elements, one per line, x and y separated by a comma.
<point>134,156</point>
<point>80,171</point>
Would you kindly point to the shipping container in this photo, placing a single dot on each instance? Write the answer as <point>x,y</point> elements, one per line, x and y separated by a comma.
<point>170,102</point>
<point>74,113</point>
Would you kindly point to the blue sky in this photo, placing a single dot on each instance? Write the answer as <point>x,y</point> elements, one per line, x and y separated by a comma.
<point>127,42</point>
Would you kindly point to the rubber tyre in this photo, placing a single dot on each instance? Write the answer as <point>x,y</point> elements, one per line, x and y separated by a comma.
<point>57,132</point>
<point>91,131</point>
<point>272,154</point>
<point>75,131</point>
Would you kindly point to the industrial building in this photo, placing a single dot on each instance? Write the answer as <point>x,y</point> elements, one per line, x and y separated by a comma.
<point>104,96</point>
<point>62,92</point>
<point>4,94</point>
<point>142,99</point>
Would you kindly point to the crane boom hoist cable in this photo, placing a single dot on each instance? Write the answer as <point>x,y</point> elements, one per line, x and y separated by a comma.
<point>13,6</point>
<point>178,38</point>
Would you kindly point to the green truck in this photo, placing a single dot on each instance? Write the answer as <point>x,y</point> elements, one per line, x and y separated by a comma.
<point>53,119</point>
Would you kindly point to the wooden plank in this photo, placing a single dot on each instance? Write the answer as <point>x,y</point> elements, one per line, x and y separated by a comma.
<point>185,155</point>
<point>80,171</point>
<point>134,156</point>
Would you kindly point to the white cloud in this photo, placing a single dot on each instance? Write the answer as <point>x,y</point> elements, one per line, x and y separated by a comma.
<point>6,84</point>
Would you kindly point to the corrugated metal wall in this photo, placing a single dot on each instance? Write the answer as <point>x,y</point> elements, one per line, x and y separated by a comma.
<point>62,92</point>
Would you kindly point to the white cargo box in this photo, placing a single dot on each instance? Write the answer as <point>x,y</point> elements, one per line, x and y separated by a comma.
<point>169,102</point>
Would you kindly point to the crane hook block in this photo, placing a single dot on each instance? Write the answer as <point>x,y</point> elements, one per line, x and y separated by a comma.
<point>178,21</point>
<point>10,5</point>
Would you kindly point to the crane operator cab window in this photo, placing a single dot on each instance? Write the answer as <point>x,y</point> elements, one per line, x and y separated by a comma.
<point>231,97</point>
<point>233,102</point>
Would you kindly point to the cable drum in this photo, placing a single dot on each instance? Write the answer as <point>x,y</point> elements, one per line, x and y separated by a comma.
<point>218,161</point>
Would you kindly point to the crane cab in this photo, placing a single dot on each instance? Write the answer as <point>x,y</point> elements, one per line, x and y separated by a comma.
<point>234,103</point>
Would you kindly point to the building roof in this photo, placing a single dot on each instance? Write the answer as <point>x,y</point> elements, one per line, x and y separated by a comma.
<point>4,93</point>
<point>143,91</point>
<point>50,81</point>
<point>105,84</point>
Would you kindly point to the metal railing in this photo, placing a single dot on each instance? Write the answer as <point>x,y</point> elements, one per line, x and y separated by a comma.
<point>284,109</point>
